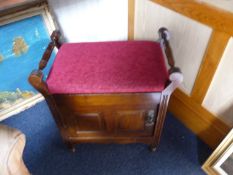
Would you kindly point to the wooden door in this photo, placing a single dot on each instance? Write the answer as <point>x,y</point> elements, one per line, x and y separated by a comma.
<point>134,122</point>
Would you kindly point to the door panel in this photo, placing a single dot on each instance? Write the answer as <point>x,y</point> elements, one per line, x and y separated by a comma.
<point>89,122</point>
<point>131,122</point>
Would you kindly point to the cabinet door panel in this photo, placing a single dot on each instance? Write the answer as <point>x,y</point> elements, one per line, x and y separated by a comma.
<point>134,122</point>
<point>130,120</point>
<point>89,122</point>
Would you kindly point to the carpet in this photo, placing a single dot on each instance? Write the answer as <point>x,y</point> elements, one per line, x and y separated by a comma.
<point>179,153</point>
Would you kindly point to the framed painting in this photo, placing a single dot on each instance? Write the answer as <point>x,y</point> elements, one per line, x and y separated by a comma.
<point>221,160</point>
<point>24,37</point>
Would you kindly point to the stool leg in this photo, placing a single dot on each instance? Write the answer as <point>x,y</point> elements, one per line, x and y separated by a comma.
<point>160,122</point>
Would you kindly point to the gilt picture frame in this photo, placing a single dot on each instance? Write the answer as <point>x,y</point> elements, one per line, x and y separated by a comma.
<point>26,36</point>
<point>221,160</point>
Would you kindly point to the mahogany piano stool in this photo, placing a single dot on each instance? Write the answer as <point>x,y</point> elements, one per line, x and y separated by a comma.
<point>109,92</point>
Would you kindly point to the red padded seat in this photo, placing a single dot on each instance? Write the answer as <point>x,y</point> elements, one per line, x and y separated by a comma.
<point>108,67</point>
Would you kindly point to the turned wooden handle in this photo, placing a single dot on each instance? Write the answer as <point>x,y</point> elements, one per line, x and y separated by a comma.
<point>36,80</point>
<point>164,37</point>
<point>45,58</point>
<point>54,42</point>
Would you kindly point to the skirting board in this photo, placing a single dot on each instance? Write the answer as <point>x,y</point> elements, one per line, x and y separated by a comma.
<point>201,122</point>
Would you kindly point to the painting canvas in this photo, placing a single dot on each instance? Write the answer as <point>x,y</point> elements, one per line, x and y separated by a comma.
<point>22,45</point>
<point>227,165</point>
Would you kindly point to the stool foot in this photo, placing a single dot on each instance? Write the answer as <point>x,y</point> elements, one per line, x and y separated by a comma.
<point>152,148</point>
<point>71,146</point>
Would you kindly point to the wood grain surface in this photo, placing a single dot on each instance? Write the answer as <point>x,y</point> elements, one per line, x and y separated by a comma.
<point>213,55</point>
<point>214,17</point>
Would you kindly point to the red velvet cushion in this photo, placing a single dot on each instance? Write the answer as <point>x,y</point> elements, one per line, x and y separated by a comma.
<point>108,67</point>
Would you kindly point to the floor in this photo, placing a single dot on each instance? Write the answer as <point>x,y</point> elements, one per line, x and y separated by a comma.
<point>180,152</point>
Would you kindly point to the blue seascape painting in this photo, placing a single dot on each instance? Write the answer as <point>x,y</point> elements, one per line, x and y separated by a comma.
<point>22,44</point>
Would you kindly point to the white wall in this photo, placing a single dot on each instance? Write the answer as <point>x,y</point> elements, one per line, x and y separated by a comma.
<point>219,99</point>
<point>189,38</point>
<point>91,20</point>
